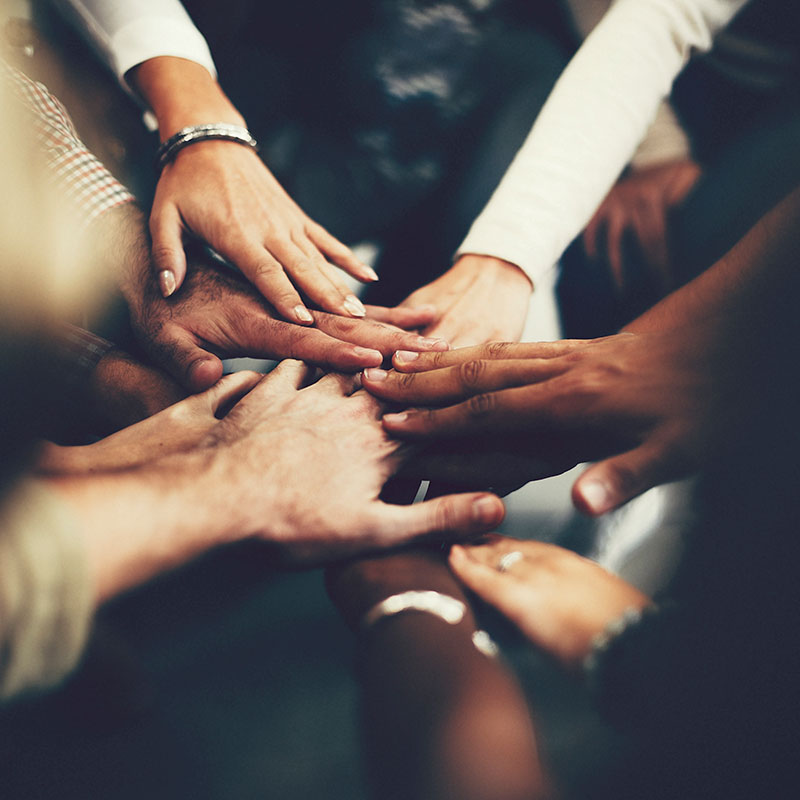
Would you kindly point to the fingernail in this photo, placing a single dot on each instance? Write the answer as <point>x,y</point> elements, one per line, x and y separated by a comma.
<point>395,419</point>
<point>354,306</point>
<point>374,374</point>
<point>369,272</point>
<point>595,496</point>
<point>434,344</point>
<point>484,509</point>
<point>166,280</point>
<point>406,355</point>
<point>303,314</point>
<point>373,355</point>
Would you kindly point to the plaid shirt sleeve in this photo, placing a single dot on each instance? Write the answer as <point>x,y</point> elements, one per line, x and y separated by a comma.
<point>85,183</point>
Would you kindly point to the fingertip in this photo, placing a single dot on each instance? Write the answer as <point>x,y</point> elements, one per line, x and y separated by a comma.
<point>302,315</point>
<point>592,497</point>
<point>167,282</point>
<point>366,357</point>
<point>354,307</point>
<point>488,510</point>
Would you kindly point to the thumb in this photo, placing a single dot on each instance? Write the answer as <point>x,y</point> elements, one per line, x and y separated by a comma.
<point>458,515</point>
<point>228,390</point>
<point>616,480</point>
<point>178,352</point>
<point>169,259</point>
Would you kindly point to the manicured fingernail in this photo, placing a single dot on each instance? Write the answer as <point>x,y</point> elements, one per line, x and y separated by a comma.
<point>395,419</point>
<point>595,495</point>
<point>484,509</point>
<point>166,280</point>
<point>372,355</point>
<point>434,344</point>
<point>374,374</point>
<point>354,306</point>
<point>303,314</point>
<point>369,272</point>
<point>406,355</point>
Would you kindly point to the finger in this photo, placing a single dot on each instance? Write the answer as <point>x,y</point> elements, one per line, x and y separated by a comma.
<point>316,347</point>
<point>229,389</point>
<point>182,356</point>
<point>617,225</point>
<point>339,253</point>
<point>489,584</point>
<point>650,228</point>
<point>452,384</point>
<point>289,374</point>
<point>421,362</point>
<point>524,408</point>
<point>169,258</point>
<point>384,338</point>
<point>316,278</point>
<point>339,384</point>
<point>592,232</point>
<point>616,480</point>
<point>405,318</point>
<point>459,515</point>
<point>268,276</point>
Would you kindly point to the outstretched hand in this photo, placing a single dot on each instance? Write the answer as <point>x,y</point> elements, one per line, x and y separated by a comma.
<point>558,599</point>
<point>217,314</point>
<point>651,406</point>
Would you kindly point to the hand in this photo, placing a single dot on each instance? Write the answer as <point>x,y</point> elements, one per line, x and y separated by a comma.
<point>217,314</point>
<point>655,406</point>
<point>558,599</point>
<point>303,469</point>
<point>480,299</point>
<point>223,193</point>
<point>638,206</point>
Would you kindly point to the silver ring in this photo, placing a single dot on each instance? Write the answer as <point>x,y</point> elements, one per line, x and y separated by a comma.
<point>507,561</point>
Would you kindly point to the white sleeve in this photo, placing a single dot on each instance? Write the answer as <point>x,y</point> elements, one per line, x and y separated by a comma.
<point>590,126</point>
<point>127,32</point>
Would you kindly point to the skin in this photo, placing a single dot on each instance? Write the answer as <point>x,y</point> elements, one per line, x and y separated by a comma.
<point>638,208</point>
<point>298,466</point>
<point>480,299</point>
<point>217,314</point>
<point>223,193</point>
<point>559,600</point>
<point>654,403</point>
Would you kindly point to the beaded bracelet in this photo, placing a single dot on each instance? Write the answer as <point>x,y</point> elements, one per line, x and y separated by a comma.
<point>198,133</point>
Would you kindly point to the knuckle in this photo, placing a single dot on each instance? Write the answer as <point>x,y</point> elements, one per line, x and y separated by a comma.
<point>470,373</point>
<point>445,516</point>
<point>497,350</point>
<point>481,406</point>
<point>406,380</point>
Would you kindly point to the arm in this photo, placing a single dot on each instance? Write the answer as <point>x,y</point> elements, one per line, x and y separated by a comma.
<point>654,403</point>
<point>589,128</point>
<point>219,191</point>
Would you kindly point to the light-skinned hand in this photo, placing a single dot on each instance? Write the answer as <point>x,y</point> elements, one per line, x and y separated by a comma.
<point>558,599</point>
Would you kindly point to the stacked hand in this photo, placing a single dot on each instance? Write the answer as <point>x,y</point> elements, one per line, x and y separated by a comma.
<point>558,599</point>
<point>653,405</point>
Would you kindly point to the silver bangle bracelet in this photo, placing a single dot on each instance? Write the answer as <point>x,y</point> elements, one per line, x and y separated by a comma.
<point>440,605</point>
<point>198,133</point>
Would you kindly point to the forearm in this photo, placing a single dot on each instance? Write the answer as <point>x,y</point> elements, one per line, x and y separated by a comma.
<point>754,278</point>
<point>141,522</point>
<point>589,128</point>
<point>181,93</point>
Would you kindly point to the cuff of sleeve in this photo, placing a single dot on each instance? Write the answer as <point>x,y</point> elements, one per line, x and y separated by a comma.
<point>497,241</point>
<point>150,38</point>
<point>45,590</point>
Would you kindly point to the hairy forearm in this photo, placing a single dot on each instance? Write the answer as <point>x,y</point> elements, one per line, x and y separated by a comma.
<point>182,93</point>
<point>752,279</point>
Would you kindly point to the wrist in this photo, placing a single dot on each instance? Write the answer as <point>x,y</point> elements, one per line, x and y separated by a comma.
<point>504,270</point>
<point>182,93</point>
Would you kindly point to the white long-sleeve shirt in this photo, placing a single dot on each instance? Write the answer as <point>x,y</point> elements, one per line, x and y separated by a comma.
<point>596,116</point>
